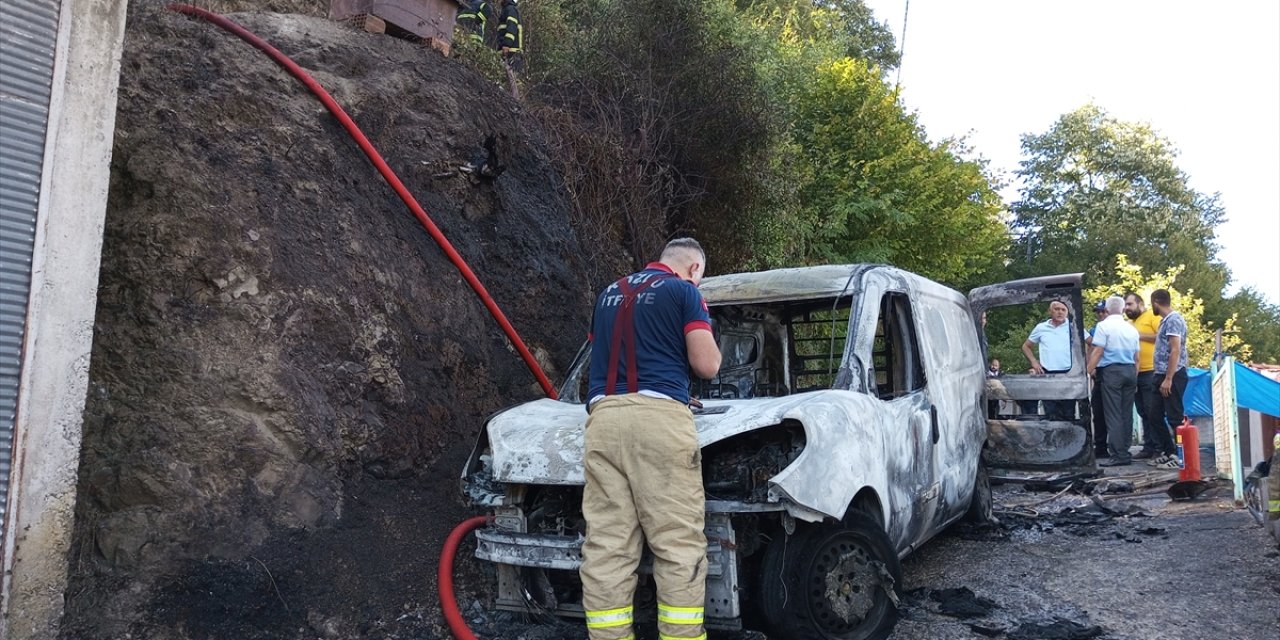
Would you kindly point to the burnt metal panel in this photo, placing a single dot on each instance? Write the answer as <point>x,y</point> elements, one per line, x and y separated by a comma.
<point>1030,443</point>
<point>794,284</point>
<point>28,39</point>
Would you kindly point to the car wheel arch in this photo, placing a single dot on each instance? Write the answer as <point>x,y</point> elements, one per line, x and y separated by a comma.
<point>867,502</point>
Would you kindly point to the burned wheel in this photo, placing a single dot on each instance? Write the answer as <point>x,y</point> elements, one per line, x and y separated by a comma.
<point>840,583</point>
<point>981,507</point>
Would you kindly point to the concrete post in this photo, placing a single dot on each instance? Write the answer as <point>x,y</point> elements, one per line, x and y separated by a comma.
<point>59,325</point>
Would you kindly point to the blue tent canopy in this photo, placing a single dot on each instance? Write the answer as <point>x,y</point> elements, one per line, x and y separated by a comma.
<point>1253,391</point>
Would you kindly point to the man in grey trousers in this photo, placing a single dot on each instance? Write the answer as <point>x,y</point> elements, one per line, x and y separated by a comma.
<point>1113,361</point>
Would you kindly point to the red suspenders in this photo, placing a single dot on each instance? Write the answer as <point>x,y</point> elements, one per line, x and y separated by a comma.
<point>624,335</point>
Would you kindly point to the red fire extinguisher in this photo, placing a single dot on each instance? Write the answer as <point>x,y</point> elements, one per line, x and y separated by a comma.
<point>1188,451</point>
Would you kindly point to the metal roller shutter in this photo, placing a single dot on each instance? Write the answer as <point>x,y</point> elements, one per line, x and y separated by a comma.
<point>28,38</point>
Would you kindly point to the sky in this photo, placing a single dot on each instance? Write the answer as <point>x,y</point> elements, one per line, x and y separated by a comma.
<point>1205,75</point>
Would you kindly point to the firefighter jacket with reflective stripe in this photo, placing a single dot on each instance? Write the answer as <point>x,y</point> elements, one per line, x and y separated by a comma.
<point>510,33</point>
<point>473,16</point>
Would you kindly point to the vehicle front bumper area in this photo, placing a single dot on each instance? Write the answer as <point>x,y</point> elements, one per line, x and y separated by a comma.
<point>538,572</point>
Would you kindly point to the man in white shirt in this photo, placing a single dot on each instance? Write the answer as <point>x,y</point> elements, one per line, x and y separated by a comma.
<point>1054,338</point>
<point>1113,362</point>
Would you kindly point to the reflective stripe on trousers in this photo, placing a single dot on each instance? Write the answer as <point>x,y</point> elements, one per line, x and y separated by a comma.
<point>609,618</point>
<point>680,623</point>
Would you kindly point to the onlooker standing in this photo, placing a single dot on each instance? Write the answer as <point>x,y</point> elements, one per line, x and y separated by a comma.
<point>1147,324</point>
<point>1113,364</point>
<point>1100,449</point>
<point>1054,338</point>
<point>1170,366</point>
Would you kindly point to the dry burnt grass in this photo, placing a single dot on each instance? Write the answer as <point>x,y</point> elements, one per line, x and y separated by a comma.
<point>287,373</point>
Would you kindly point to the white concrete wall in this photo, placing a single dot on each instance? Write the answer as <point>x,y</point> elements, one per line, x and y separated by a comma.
<point>59,331</point>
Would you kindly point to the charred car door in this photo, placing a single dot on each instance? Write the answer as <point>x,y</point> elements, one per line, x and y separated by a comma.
<point>887,346</point>
<point>1035,422</point>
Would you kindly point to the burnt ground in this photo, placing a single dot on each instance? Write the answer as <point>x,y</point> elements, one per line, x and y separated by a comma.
<point>1178,570</point>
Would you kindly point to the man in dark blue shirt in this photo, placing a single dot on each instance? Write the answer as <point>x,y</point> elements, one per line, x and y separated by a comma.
<point>642,461</point>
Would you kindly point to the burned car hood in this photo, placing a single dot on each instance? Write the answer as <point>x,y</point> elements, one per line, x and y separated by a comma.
<point>541,442</point>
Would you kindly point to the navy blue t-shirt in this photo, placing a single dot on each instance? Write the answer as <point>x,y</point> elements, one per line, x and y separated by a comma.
<point>664,312</point>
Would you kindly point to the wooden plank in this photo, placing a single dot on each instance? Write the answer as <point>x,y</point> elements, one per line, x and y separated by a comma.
<point>373,24</point>
<point>439,45</point>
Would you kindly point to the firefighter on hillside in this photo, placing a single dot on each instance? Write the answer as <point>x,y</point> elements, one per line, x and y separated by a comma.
<point>511,36</point>
<point>473,17</point>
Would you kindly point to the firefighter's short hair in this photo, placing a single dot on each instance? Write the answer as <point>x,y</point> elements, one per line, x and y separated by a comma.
<point>683,244</point>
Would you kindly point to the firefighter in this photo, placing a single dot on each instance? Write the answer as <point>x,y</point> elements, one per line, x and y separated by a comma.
<point>642,462</point>
<point>473,18</point>
<point>511,36</point>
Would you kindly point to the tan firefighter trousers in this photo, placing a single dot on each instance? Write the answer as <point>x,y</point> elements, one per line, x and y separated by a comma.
<point>644,482</point>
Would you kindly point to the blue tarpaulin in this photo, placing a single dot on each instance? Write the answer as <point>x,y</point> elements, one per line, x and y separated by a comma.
<point>1198,398</point>
<point>1253,391</point>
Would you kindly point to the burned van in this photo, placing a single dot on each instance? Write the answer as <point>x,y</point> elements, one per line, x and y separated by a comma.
<point>845,428</point>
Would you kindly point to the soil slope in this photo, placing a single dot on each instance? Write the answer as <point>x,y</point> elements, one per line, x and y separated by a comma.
<point>287,373</point>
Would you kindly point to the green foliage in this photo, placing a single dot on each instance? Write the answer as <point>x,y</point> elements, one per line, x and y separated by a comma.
<point>878,191</point>
<point>1258,323</point>
<point>485,60</point>
<point>1200,334</point>
<point>825,29</point>
<point>1096,187</point>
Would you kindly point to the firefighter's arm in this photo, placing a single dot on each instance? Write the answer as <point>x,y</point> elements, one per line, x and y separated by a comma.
<point>704,355</point>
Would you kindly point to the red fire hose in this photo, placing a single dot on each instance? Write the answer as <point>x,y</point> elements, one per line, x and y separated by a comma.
<point>449,602</point>
<point>376,158</point>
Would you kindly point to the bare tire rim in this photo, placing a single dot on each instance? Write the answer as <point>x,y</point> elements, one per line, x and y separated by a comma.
<point>843,584</point>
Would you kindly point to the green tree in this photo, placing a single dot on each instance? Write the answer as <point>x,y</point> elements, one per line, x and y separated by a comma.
<point>876,190</point>
<point>1258,322</point>
<point>1128,276</point>
<point>1096,187</point>
<point>827,29</point>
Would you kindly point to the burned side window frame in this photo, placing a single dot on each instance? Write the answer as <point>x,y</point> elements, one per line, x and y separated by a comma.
<point>895,356</point>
